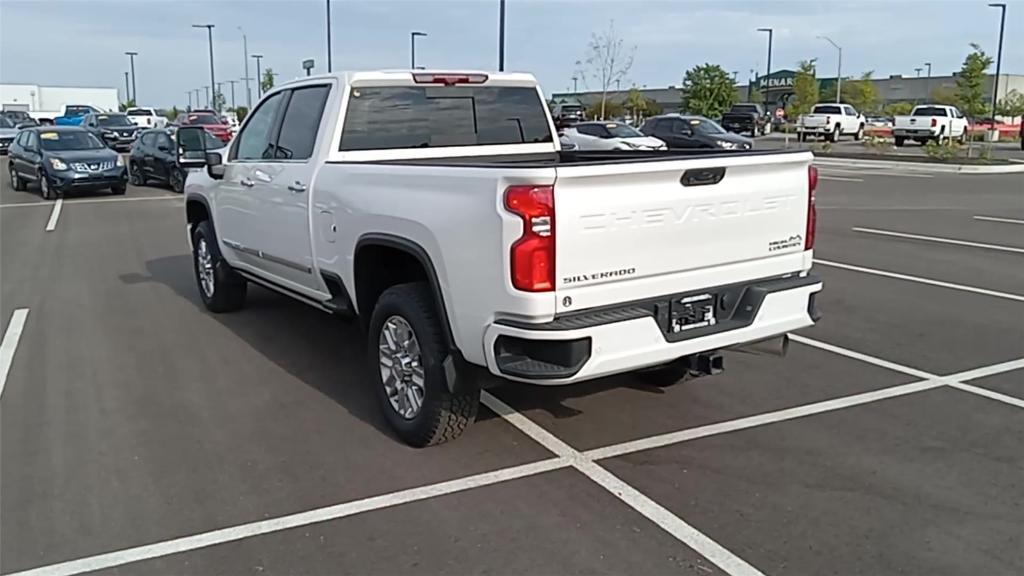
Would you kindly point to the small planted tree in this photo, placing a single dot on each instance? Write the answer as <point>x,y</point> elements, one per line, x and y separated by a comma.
<point>970,84</point>
<point>1011,105</point>
<point>805,90</point>
<point>898,108</point>
<point>862,94</point>
<point>267,82</point>
<point>708,90</point>
<point>608,61</point>
<point>636,104</point>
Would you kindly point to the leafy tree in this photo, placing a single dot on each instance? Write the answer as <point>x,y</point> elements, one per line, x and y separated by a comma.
<point>636,103</point>
<point>267,82</point>
<point>241,112</point>
<point>862,94</point>
<point>609,109</point>
<point>708,90</point>
<point>756,97</point>
<point>829,94</point>
<point>805,90</point>
<point>172,114</point>
<point>945,96</point>
<point>1011,105</point>
<point>970,83</point>
<point>898,108</point>
<point>607,62</point>
<point>130,103</point>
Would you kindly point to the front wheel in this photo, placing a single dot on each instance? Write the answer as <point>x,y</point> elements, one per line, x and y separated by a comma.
<point>118,189</point>
<point>44,186</point>
<point>407,356</point>
<point>220,287</point>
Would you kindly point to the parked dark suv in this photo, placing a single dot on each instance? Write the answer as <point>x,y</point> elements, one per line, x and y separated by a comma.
<point>680,131</point>
<point>153,158</point>
<point>61,159</point>
<point>114,129</point>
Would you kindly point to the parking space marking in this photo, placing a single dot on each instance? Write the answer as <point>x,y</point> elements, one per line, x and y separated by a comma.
<point>23,204</point>
<point>920,280</point>
<point>872,172</point>
<point>51,225</point>
<point>989,394</point>
<point>335,512</point>
<point>9,345</point>
<point>93,201</point>
<point>939,240</point>
<point>995,219</point>
<point>629,495</point>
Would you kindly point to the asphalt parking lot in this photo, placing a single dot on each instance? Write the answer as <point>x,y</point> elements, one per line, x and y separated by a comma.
<point>141,435</point>
<point>1003,150</point>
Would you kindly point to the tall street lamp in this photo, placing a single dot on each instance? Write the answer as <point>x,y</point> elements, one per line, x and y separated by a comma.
<point>918,72</point>
<point>209,104</point>
<point>209,33</point>
<point>131,58</point>
<point>999,56</point>
<point>245,54</point>
<point>501,36</point>
<point>189,100</point>
<point>412,39</point>
<point>328,35</point>
<point>259,76</point>
<point>127,92</point>
<point>768,68</point>
<point>928,82</point>
<point>233,82</point>
<point>839,68</point>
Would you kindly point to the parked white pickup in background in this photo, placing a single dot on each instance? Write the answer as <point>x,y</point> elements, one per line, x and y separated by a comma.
<point>831,121</point>
<point>930,122</point>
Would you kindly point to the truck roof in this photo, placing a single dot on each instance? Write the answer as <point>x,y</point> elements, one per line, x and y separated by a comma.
<point>405,77</point>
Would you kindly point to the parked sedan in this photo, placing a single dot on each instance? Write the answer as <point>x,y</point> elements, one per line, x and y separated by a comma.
<point>114,129</point>
<point>7,133</point>
<point>610,136</point>
<point>61,159</point>
<point>153,158</point>
<point>680,132</point>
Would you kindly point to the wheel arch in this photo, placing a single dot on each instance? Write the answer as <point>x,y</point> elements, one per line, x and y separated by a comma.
<point>197,209</point>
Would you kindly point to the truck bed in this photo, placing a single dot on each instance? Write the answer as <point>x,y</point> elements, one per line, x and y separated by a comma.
<point>583,158</point>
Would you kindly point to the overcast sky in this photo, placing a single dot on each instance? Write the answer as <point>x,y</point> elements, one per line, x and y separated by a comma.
<point>81,42</point>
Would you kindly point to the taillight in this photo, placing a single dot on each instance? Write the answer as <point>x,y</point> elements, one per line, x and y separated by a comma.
<point>533,254</point>
<point>449,79</point>
<point>935,122</point>
<point>812,211</point>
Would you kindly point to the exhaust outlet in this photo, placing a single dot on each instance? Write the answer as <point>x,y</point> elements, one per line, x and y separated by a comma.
<point>777,346</point>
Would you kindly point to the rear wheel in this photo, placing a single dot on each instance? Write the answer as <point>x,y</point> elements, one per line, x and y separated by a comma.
<point>407,356</point>
<point>803,137</point>
<point>176,179</point>
<point>135,175</point>
<point>900,140</point>
<point>16,182</point>
<point>220,287</point>
<point>859,133</point>
<point>834,135</point>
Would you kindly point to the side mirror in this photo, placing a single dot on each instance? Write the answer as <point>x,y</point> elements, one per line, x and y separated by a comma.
<point>191,147</point>
<point>215,165</point>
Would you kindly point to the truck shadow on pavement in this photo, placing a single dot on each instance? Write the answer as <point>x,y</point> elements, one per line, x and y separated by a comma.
<point>329,354</point>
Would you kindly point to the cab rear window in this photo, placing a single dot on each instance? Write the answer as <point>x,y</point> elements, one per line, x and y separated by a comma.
<point>396,117</point>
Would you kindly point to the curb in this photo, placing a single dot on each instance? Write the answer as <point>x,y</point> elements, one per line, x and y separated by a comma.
<point>922,166</point>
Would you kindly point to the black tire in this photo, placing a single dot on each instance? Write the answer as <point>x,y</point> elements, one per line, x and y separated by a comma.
<point>834,135</point>
<point>900,141</point>
<point>228,289</point>
<point>16,182</point>
<point>859,134</point>
<point>118,189</point>
<point>443,415</point>
<point>803,137</point>
<point>135,175</point>
<point>963,137</point>
<point>176,180</point>
<point>44,186</point>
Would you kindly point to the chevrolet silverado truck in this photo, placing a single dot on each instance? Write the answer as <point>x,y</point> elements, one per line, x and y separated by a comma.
<point>749,117</point>
<point>831,121</point>
<point>439,209</point>
<point>930,122</point>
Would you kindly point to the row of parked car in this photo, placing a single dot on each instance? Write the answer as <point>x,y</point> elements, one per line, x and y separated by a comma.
<point>668,131</point>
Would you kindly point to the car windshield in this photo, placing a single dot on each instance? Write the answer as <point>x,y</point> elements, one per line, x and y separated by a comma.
<point>202,119</point>
<point>826,110</point>
<point>57,141</point>
<point>705,126</point>
<point>113,120</point>
<point>929,111</point>
<point>139,112</point>
<point>5,123</point>
<point>78,110</point>
<point>623,131</point>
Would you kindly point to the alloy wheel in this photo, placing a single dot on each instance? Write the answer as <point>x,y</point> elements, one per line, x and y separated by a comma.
<point>204,265</point>
<point>401,367</point>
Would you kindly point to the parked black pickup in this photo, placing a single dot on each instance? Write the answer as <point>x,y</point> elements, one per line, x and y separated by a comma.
<point>744,118</point>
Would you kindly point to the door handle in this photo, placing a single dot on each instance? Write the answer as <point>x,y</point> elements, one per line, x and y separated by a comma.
<point>297,187</point>
<point>246,182</point>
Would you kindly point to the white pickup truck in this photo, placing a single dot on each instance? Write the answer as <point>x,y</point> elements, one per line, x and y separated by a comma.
<point>831,121</point>
<point>439,209</point>
<point>146,118</point>
<point>930,122</point>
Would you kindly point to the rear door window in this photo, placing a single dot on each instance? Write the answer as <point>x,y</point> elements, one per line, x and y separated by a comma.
<point>301,123</point>
<point>396,117</point>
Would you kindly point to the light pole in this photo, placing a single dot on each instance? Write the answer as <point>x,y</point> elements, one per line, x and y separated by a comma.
<point>918,71</point>
<point>574,89</point>
<point>839,68</point>
<point>928,82</point>
<point>768,68</point>
<point>233,82</point>
<point>999,56</point>
<point>209,104</point>
<point>412,40</point>
<point>131,58</point>
<point>259,76</point>
<point>245,54</point>
<point>197,91</point>
<point>127,92</point>
<point>209,34</point>
<point>189,100</point>
<point>328,36</point>
<point>501,36</point>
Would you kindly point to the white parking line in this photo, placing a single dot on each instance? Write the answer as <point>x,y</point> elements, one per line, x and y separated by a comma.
<point>871,172</point>
<point>940,240</point>
<point>9,345</point>
<point>93,201</point>
<point>920,280</point>
<point>989,394</point>
<point>636,500</point>
<point>840,178</point>
<point>995,219</point>
<point>51,225</point>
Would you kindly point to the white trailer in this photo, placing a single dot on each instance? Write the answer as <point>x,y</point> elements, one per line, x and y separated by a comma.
<point>44,103</point>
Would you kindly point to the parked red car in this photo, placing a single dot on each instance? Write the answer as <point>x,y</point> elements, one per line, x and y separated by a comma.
<point>209,120</point>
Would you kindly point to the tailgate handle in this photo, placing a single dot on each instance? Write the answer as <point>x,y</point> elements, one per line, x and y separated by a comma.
<point>702,176</point>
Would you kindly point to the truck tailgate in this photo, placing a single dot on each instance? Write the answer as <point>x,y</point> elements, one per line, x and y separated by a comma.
<point>653,228</point>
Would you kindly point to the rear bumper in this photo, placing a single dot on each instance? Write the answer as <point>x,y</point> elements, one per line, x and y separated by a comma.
<point>913,132</point>
<point>815,129</point>
<point>609,341</point>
